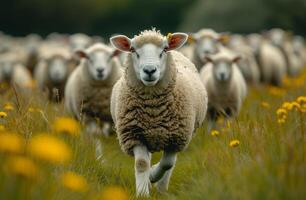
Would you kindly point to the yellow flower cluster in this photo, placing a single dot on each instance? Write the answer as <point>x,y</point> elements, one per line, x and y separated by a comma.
<point>8,107</point>
<point>298,105</point>
<point>234,143</point>
<point>114,193</point>
<point>50,149</point>
<point>3,114</point>
<point>67,126</point>
<point>22,166</point>
<point>265,104</point>
<point>11,143</point>
<point>74,182</point>
<point>276,91</point>
<point>215,133</point>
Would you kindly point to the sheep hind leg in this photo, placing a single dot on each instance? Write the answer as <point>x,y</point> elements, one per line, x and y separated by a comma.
<point>161,172</point>
<point>142,170</point>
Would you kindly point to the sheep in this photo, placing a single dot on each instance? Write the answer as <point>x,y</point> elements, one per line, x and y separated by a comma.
<point>52,71</point>
<point>157,104</point>
<point>299,48</point>
<point>270,60</point>
<point>247,64</point>
<point>225,85</point>
<point>206,42</point>
<point>282,40</point>
<point>88,89</point>
<point>12,72</point>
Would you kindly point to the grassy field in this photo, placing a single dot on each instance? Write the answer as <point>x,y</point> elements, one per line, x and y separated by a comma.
<point>44,156</point>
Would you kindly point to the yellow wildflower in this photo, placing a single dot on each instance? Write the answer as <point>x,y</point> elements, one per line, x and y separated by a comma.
<point>214,133</point>
<point>287,106</point>
<point>296,105</point>
<point>301,100</point>
<point>8,107</point>
<point>114,193</point>
<point>281,112</point>
<point>11,143</point>
<point>49,148</point>
<point>22,166</point>
<point>67,125</point>
<point>30,109</point>
<point>74,182</point>
<point>234,143</point>
<point>281,121</point>
<point>265,104</point>
<point>3,114</point>
<point>2,128</point>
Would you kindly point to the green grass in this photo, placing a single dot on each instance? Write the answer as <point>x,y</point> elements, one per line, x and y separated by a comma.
<point>269,163</point>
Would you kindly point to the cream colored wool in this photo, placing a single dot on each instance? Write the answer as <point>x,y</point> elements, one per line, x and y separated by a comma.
<point>82,93</point>
<point>41,70</point>
<point>161,117</point>
<point>222,97</point>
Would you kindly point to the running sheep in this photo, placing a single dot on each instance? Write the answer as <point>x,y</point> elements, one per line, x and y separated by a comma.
<point>156,105</point>
<point>53,70</point>
<point>88,89</point>
<point>225,85</point>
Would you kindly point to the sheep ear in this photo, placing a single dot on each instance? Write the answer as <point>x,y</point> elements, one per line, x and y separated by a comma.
<point>81,54</point>
<point>191,38</point>
<point>176,40</point>
<point>224,38</point>
<point>121,42</point>
<point>236,59</point>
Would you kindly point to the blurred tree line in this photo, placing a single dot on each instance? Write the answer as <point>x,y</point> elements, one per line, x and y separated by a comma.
<point>94,17</point>
<point>246,16</point>
<point>105,17</point>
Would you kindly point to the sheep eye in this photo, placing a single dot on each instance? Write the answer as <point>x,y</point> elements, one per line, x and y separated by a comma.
<point>134,51</point>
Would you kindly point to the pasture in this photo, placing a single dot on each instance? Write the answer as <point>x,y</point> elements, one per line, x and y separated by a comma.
<point>260,155</point>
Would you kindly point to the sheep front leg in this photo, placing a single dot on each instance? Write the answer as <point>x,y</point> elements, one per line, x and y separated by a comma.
<point>142,170</point>
<point>106,129</point>
<point>161,172</point>
<point>94,134</point>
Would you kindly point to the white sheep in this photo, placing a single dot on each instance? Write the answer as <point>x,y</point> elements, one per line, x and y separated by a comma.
<point>247,64</point>
<point>88,90</point>
<point>204,42</point>
<point>53,70</point>
<point>225,85</point>
<point>283,40</point>
<point>270,59</point>
<point>299,48</point>
<point>12,72</point>
<point>157,104</point>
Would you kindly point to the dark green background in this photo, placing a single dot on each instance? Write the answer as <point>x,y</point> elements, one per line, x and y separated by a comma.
<point>105,17</point>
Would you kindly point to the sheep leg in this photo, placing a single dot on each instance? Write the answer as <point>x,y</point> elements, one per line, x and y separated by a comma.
<point>163,183</point>
<point>106,129</point>
<point>142,170</point>
<point>94,131</point>
<point>161,172</point>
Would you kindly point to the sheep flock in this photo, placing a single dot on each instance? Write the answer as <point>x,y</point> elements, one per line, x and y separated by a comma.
<point>149,93</point>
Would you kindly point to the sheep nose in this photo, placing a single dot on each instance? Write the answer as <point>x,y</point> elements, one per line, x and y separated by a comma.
<point>100,71</point>
<point>222,76</point>
<point>150,70</point>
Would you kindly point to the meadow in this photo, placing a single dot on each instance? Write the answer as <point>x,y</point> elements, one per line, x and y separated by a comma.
<point>45,154</point>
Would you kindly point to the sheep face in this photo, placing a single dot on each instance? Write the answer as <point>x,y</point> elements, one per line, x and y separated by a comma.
<point>57,69</point>
<point>223,68</point>
<point>277,36</point>
<point>206,46</point>
<point>149,60</point>
<point>98,63</point>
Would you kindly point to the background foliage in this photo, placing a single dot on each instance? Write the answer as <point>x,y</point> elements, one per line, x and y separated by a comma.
<point>105,17</point>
